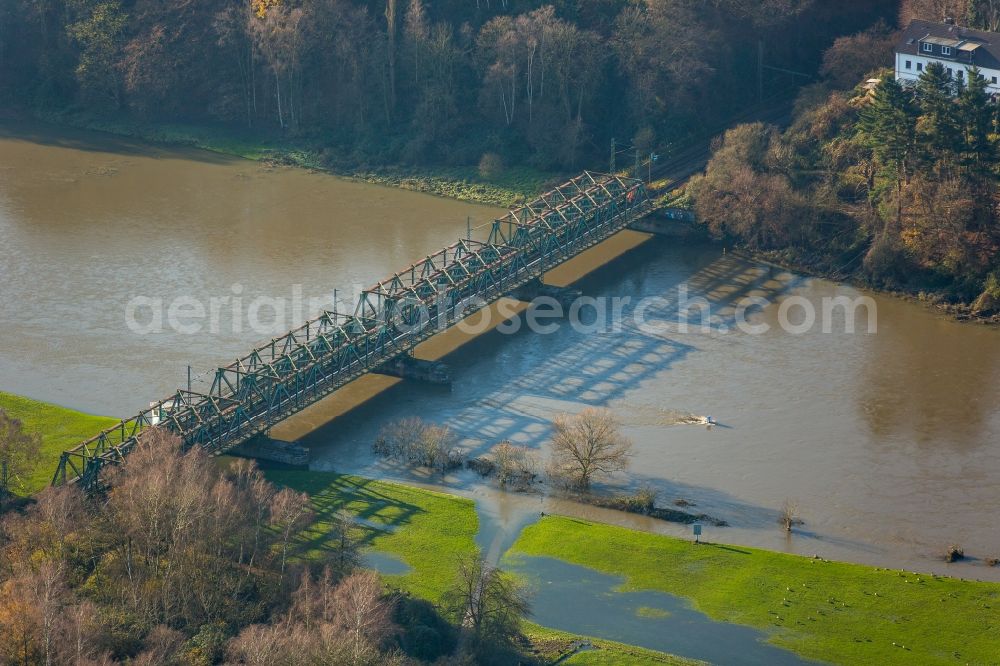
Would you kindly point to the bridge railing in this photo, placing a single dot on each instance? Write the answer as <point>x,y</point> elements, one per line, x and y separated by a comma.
<point>298,368</point>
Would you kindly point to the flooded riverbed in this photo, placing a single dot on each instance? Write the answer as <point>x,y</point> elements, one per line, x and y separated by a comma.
<point>889,443</point>
<point>579,600</point>
<point>88,223</point>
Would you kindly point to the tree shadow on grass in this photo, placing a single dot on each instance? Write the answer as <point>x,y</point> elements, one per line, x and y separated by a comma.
<point>731,549</point>
<point>335,496</point>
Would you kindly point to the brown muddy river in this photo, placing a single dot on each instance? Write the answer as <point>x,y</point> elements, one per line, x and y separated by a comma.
<point>888,442</point>
<point>88,223</point>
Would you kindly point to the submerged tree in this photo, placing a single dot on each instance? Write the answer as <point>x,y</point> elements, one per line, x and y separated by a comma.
<point>514,465</point>
<point>588,446</point>
<point>489,604</point>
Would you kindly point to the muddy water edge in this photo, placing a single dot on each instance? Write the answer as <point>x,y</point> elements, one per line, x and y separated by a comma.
<point>889,443</point>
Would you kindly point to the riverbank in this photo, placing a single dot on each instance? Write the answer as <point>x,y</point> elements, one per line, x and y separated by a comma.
<point>790,260</point>
<point>426,532</point>
<point>817,608</point>
<point>839,612</point>
<point>929,298</point>
<point>506,188</point>
<point>559,647</point>
<point>820,609</point>
<point>60,428</point>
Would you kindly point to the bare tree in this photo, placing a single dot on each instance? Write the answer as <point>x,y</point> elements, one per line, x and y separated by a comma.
<point>391,21</point>
<point>160,647</point>
<point>169,513</point>
<point>290,512</point>
<point>514,464</point>
<point>328,623</point>
<point>417,32</point>
<point>419,443</point>
<point>79,636</point>
<point>277,35</point>
<point>788,517</point>
<point>985,14</point>
<point>587,446</point>
<point>487,602</point>
<point>854,56</point>
<point>39,621</point>
<point>933,10</point>
<point>263,645</point>
<point>18,453</point>
<point>20,621</point>
<point>363,612</point>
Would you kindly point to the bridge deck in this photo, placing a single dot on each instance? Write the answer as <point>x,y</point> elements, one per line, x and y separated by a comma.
<point>295,370</point>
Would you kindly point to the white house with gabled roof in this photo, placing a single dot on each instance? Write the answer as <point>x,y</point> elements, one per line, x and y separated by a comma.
<point>958,50</point>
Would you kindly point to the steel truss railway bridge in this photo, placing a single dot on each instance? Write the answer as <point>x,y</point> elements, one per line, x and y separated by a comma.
<point>293,371</point>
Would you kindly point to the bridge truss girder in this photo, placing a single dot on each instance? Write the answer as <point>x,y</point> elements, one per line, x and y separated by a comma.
<point>300,367</point>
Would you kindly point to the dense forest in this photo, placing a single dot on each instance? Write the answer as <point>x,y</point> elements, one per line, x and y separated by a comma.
<point>422,81</point>
<point>895,185</point>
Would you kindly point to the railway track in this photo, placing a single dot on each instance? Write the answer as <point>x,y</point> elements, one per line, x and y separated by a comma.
<point>695,154</point>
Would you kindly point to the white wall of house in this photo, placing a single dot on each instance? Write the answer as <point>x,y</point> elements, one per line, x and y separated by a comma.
<point>919,63</point>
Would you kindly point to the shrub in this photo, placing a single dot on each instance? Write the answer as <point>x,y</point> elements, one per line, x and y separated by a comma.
<point>643,501</point>
<point>490,166</point>
<point>788,517</point>
<point>420,444</point>
<point>482,466</point>
<point>513,465</point>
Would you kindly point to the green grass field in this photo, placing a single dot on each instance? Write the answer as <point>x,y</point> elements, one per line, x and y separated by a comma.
<point>426,530</point>
<point>512,186</point>
<point>553,646</point>
<point>830,611</point>
<point>60,428</point>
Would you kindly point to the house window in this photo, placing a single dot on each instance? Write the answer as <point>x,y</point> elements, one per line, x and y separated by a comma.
<point>928,48</point>
<point>909,64</point>
<point>951,72</point>
<point>993,80</point>
<point>945,50</point>
<point>961,74</point>
<point>920,66</point>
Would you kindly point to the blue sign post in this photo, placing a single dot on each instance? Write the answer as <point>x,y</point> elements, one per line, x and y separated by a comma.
<point>697,532</point>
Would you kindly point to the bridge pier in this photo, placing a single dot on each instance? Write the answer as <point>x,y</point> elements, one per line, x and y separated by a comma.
<point>297,369</point>
<point>408,367</point>
<point>537,289</point>
<point>262,447</point>
<point>671,222</point>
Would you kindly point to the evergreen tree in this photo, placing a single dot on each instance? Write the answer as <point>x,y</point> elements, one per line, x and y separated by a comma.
<point>889,126</point>
<point>976,117</point>
<point>889,123</point>
<point>940,130</point>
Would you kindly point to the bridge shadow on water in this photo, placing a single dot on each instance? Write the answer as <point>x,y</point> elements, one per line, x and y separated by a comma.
<point>509,387</point>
